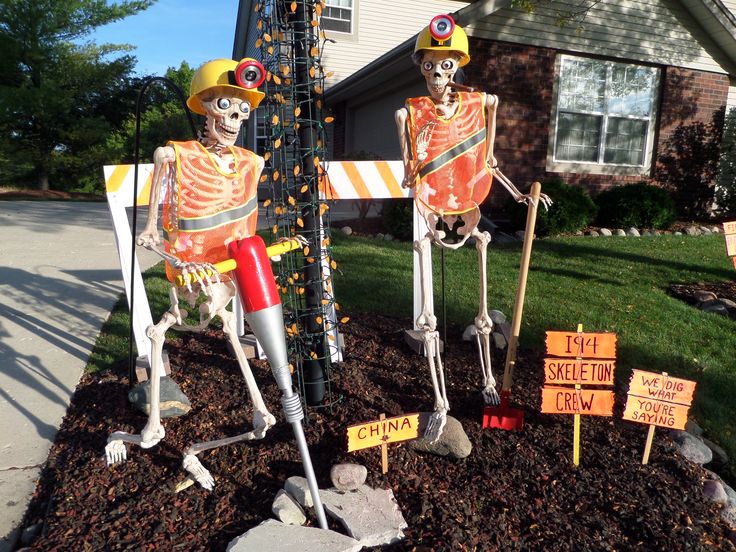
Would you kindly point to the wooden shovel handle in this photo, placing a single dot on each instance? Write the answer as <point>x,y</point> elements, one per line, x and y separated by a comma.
<point>526,253</point>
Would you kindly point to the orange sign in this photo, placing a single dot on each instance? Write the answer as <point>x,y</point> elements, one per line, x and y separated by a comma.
<point>661,387</point>
<point>653,412</point>
<point>729,227</point>
<point>381,432</point>
<point>573,371</point>
<point>581,345</point>
<point>563,400</point>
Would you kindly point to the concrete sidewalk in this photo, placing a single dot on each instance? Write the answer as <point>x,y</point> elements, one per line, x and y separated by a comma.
<point>59,279</point>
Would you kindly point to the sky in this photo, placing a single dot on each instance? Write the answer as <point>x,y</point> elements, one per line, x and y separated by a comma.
<point>172,31</point>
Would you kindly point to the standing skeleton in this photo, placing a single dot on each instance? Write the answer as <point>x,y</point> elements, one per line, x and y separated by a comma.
<point>211,202</point>
<point>447,142</point>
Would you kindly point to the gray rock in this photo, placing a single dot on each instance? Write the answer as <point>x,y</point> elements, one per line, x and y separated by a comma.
<point>715,229</point>
<point>705,230</point>
<point>714,491</point>
<point>30,533</point>
<point>388,237</point>
<point>497,316</point>
<point>578,232</point>
<point>453,442</point>
<point>657,232</point>
<point>593,233</point>
<point>692,231</point>
<point>691,426</point>
<point>519,234</point>
<point>499,340</point>
<point>728,515</point>
<point>287,509</point>
<point>701,296</point>
<point>714,305</point>
<point>606,232</point>
<point>692,447</point>
<point>620,232</point>
<point>719,455</point>
<point>469,333</point>
<point>371,516</point>
<point>380,236</point>
<point>633,232</point>
<point>348,477</point>
<point>678,233</point>
<point>274,535</point>
<point>730,305</point>
<point>173,400</point>
<point>346,230</point>
<point>646,233</point>
<point>298,488</point>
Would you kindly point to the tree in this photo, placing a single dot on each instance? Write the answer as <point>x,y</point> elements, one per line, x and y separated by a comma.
<point>163,118</point>
<point>58,96</point>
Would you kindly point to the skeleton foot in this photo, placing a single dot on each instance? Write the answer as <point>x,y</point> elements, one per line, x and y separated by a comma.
<point>201,474</point>
<point>115,452</point>
<point>435,426</point>
<point>490,396</point>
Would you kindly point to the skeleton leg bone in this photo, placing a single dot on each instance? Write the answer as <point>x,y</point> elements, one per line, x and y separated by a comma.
<point>483,322</point>
<point>427,322</point>
<point>153,432</point>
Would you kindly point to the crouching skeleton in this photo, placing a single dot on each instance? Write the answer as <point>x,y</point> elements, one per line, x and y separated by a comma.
<point>209,215</point>
<point>447,141</point>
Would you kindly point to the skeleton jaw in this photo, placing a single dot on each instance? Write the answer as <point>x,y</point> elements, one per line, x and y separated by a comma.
<point>223,133</point>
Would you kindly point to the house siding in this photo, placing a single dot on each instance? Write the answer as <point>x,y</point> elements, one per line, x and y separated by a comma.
<point>651,31</point>
<point>380,26</point>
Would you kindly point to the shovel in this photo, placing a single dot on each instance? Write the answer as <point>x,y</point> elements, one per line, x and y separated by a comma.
<point>503,416</point>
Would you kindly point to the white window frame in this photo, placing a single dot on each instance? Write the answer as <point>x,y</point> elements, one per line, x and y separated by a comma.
<point>599,166</point>
<point>353,10</point>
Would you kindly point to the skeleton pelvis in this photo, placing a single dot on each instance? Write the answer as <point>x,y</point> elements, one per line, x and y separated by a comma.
<point>450,231</point>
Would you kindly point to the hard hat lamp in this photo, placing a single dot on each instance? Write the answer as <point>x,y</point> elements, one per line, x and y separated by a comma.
<point>441,27</point>
<point>250,74</point>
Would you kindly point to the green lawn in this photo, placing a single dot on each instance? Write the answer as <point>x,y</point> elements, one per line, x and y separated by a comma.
<point>607,284</point>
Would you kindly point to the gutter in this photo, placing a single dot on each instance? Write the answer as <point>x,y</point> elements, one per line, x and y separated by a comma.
<point>242,24</point>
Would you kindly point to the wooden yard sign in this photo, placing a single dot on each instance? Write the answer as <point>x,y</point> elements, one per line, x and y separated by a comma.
<point>581,359</point>
<point>658,400</point>
<point>729,231</point>
<point>382,432</point>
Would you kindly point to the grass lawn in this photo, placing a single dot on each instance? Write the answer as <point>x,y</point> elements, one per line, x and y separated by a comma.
<point>607,284</point>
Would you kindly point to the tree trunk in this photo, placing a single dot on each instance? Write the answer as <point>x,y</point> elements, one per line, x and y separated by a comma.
<point>43,180</point>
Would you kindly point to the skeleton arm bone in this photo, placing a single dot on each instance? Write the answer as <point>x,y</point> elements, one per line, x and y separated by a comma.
<point>163,157</point>
<point>516,194</point>
<point>491,105</point>
<point>401,117</point>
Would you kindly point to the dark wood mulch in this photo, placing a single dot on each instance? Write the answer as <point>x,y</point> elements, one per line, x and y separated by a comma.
<point>516,491</point>
<point>686,292</point>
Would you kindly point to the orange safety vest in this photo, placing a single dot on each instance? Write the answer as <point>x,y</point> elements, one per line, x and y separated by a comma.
<point>454,178</point>
<point>206,207</point>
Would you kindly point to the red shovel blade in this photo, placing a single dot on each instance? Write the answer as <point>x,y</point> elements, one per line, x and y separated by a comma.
<point>503,417</point>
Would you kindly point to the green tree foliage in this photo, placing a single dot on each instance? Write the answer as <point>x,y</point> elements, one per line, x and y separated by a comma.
<point>163,118</point>
<point>59,97</point>
<point>726,189</point>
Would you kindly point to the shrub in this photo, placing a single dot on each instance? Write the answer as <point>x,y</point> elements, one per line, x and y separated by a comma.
<point>726,189</point>
<point>571,210</point>
<point>398,218</point>
<point>640,205</point>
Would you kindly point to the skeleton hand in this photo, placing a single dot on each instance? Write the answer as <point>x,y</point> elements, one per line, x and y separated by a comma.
<point>410,175</point>
<point>199,272</point>
<point>149,239</point>
<point>303,242</point>
<point>544,199</point>
<point>201,474</point>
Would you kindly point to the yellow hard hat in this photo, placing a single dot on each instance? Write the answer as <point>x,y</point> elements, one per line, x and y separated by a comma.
<point>243,76</point>
<point>442,34</point>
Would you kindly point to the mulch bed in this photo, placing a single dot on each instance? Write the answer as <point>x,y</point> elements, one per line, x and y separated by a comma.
<point>516,491</point>
<point>686,292</point>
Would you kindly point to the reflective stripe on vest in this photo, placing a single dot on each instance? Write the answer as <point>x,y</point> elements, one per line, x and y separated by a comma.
<point>454,152</point>
<point>198,224</point>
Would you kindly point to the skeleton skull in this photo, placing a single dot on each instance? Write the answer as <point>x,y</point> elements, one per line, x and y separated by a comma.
<point>226,112</point>
<point>438,68</point>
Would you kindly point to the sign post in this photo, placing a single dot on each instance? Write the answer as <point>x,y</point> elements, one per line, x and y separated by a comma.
<point>729,231</point>
<point>381,433</point>
<point>658,400</point>
<point>578,358</point>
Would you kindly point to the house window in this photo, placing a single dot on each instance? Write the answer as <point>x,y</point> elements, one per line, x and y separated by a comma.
<point>337,15</point>
<point>605,112</point>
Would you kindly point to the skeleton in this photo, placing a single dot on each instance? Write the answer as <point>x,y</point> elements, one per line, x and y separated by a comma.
<point>225,108</point>
<point>438,66</point>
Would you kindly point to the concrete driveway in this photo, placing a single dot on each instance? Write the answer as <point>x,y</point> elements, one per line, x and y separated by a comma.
<point>59,279</point>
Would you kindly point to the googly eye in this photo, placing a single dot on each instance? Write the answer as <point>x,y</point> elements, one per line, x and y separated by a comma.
<point>427,65</point>
<point>447,65</point>
<point>223,103</point>
<point>250,74</point>
<point>442,27</point>
<point>245,107</point>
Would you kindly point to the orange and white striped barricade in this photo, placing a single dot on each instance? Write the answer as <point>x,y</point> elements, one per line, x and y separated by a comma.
<point>376,180</point>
